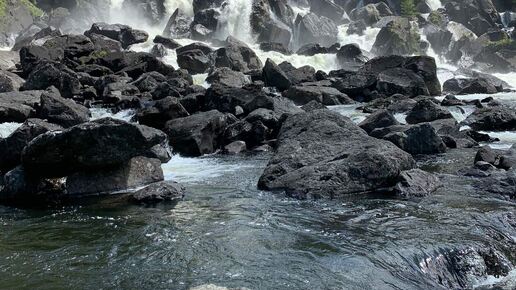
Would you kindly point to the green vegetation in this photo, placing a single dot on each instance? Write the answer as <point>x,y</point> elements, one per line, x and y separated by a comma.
<point>437,18</point>
<point>4,6</point>
<point>505,43</point>
<point>408,8</point>
<point>33,9</point>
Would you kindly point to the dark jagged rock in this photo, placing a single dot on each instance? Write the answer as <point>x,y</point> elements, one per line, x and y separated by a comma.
<point>274,76</point>
<point>89,146</point>
<point>401,81</point>
<point>451,100</point>
<point>237,56</point>
<point>166,191</point>
<point>357,85</point>
<point>328,9</point>
<point>227,77</point>
<point>18,106</point>
<point>427,110</point>
<point>414,139</point>
<point>137,171</point>
<point>123,33</point>
<point>350,56</point>
<point>378,119</point>
<point>463,86</point>
<point>492,118</point>
<point>196,58</point>
<point>321,153</point>
<point>163,110</point>
<point>274,46</point>
<point>329,96</point>
<point>50,74</point>
<point>104,43</point>
<point>178,25</point>
<point>314,29</point>
<point>12,146</point>
<point>298,75</point>
<point>33,35</point>
<point>9,81</point>
<point>417,183</point>
<point>61,111</point>
<point>158,50</point>
<point>398,37</point>
<point>166,42</point>
<point>32,56</point>
<point>199,133</point>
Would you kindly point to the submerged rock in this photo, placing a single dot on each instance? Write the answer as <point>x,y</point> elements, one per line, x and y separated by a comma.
<point>324,154</point>
<point>417,183</point>
<point>166,191</point>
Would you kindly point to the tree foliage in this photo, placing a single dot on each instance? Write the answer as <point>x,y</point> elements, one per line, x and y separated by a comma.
<point>408,8</point>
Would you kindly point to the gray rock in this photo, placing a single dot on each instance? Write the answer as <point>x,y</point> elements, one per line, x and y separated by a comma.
<point>414,139</point>
<point>322,153</point>
<point>166,191</point>
<point>236,147</point>
<point>416,183</point>
<point>137,171</point>
<point>329,96</point>
<point>378,119</point>
<point>227,77</point>
<point>61,111</point>
<point>427,110</point>
<point>88,146</point>
<point>10,82</point>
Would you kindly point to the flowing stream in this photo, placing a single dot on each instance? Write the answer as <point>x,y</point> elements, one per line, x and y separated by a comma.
<point>228,233</point>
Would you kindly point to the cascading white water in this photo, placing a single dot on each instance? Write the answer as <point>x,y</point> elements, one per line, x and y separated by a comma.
<point>235,20</point>
<point>434,4</point>
<point>183,5</point>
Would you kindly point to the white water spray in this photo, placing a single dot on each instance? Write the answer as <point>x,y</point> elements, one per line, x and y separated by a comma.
<point>434,4</point>
<point>235,20</point>
<point>183,5</point>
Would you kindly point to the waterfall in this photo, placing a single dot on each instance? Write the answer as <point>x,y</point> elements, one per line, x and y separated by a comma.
<point>434,4</point>
<point>184,5</point>
<point>235,20</point>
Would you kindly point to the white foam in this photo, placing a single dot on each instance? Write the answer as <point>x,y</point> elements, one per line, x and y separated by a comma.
<point>235,20</point>
<point>365,41</point>
<point>434,4</point>
<point>7,129</point>
<point>99,113</point>
<point>184,5</point>
<point>507,139</point>
<point>324,62</point>
<point>197,170</point>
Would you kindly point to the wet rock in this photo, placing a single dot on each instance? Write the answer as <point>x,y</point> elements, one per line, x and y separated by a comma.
<point>17,187</point>
<point>12,146</point>
<point>427,110</point>
<point>416,183</point>
<point>136,172</point>
<point>414,139</point>
<point>378,119</point>
<point>462,86</point>
<point>163,110</point>
<point>61,111</point>
<point>314,29</point>
<point>227,77</point>
<point>451,100</point>
<point>357,85</point>
<point>9,81</point>
<point>350,56</point>
<point>401,81</point>
<point>235,147</point>
<point>370,13</point>
<point>398,37</point>
<point>123,33</point>
<point>329,96</point>
<point>147,82</point>
<point>346,160</point>
<point>18,106</point>
<point>168,43</point>
<point>104,43</point>
<point>274,76</point>
<point>492,118</point>
<point>196,58</point>
<point>35,35</point>
<point>32,56</point>
<point>166,191</point>
<point>313,105</point>
<point>298,75</point>
<point>178,25</point>
<point>158,50</point>
<point>274,46</point>
<point>312,49</point>
<point>199,133</point>
<point>89,146</point>
<point>50,74</point>
<point>237,56</point>
<point>328,9</point>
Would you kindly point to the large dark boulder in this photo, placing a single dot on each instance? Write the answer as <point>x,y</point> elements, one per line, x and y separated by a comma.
<point>61,111</point>
<point>414,139</point>
<point>298,75</point>
<point>274,76</point>
<point>18,106</point>
<point>358,85</point>
<point>163,110</point>
<point>329,96</point>
<point>492,118</point>
<point>166,191</point>
<point>398,37</point>
<point>178,25</point>
<point>9,81</point>
<point>199,133</point>
<point>123,33</point>
<point>227,77</point>
<point>136,172</point>
<point>417,183</point>
<point>427,110</point>
<point>401,81</point>
<point>322,153</point>
<point>12,146</point>
<point>89,146</point>
<point>314,29</point>
<point>466,86</point>
<point>196,58</point>
<point>328,9</point>
<point>378,119</point>
<point>237,56</point>
<point>48,74</point>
